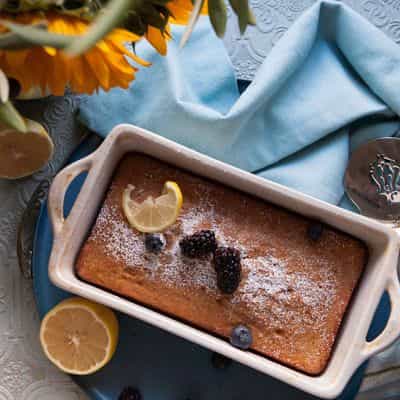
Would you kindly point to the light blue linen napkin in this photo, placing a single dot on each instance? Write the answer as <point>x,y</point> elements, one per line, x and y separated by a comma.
<point>332,82</point>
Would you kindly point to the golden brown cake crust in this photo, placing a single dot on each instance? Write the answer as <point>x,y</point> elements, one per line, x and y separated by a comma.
<point>293,293</point>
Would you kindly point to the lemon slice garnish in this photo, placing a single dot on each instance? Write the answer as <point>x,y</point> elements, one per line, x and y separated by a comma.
<point>153,214</point>
<point>22,154</point>
<point>79,336</point>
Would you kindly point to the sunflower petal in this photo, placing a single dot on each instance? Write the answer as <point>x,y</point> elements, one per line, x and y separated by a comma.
<point>103,46</point>
<point>77,79</point>
<point>157,40</point>
<point>98,67</point>
<point>91,83</point>
<point>119,63</point>
<point>16,58</point>
<point>124,35</point>
<point>122,49</point>
<point>59,75</point>
<point>181,9</point>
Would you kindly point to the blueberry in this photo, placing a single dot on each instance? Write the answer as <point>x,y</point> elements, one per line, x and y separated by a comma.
<point>241,337</point>
<point>219,361</point>
<point>130,393</point>
<point>154,242</point>
<point>315,230</point>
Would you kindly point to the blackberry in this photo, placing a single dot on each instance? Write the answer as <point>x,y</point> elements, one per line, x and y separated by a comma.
<point>154,242</point>
<point>198,244</point>
<point>130,393</point>
<point>241,337</point>
<point>219,361</point>
<point>315,230</point>
<point>228,268</point>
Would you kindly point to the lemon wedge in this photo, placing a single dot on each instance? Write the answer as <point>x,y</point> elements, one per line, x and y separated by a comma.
<point>22,154</point>
<point>153,214</point>
<point>79,336</point>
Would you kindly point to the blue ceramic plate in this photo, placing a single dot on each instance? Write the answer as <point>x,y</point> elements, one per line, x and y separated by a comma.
<point>163,366</point>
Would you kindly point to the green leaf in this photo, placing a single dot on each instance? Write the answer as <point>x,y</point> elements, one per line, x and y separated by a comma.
<point>11,117</point>
<point>111,16</point>
<point>194,16</point>
<point>243,12</point>
<point>218,17</point>
<point>4,87</point>
<point>252,18</point>
<point>38,36</point>
<point>240,9</point>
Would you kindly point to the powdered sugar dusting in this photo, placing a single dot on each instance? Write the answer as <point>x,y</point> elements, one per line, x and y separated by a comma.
<point>117,237</point>
<point>269,280</point>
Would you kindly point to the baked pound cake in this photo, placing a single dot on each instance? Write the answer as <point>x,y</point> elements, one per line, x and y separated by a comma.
<point>297,276</point>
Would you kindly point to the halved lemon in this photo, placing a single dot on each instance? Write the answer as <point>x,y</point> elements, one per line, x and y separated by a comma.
<point>22,154</point>
<point>153,214</point>
<point>79,336</point>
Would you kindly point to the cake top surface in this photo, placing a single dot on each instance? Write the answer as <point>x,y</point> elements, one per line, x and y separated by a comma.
<point>291,285</point>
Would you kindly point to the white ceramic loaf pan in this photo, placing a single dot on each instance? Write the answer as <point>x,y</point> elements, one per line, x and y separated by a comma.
<point>351,347</point>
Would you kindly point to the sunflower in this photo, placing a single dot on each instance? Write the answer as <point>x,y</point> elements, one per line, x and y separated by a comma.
<point>105,65</point>
<point>180,11</point>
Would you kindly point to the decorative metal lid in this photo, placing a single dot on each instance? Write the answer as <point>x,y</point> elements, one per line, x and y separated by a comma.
<point>372,179</point>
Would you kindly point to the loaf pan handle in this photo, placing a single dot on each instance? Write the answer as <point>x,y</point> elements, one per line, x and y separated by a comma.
<point>58,189</point>
<point>392,329</point>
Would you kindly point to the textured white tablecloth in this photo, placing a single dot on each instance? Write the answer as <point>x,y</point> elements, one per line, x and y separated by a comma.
<point>24,372</point>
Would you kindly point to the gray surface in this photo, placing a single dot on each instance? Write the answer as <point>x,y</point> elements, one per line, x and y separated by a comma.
<point>24,372</point>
